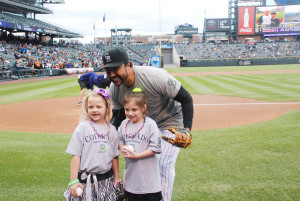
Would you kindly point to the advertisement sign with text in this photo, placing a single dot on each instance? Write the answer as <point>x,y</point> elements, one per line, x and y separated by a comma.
<point>281,2</point>
<point>246,21</point>
<point>277,19</point>
<point>155,61</point>
<point>217,24</point>
<point>7,24</point>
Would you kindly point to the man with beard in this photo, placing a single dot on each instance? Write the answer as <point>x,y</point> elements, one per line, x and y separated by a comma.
<point>170,105</point>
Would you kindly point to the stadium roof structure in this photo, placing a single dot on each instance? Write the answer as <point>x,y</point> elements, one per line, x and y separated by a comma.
<point>121,29</point>
<point>185,25</point>
<point>13,18</point>
<point>22,7</point>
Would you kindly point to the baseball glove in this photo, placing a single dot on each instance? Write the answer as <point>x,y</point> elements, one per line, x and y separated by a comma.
<point>183,137</point>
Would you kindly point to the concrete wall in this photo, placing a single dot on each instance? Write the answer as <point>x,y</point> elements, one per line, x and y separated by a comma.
<point>176,59</point>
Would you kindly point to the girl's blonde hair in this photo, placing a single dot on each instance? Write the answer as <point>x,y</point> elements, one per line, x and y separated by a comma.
<point>84,107</point>
<point>139,97</point>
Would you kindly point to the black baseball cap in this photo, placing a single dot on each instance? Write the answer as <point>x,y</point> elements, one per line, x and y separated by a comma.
<point>114,57</point>
<point>273,13</point>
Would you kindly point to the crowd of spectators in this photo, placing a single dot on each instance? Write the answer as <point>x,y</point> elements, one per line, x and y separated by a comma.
<point>46,57</point>
<point>22,55</point>
<point>237,51</point>
<point>19,54</point>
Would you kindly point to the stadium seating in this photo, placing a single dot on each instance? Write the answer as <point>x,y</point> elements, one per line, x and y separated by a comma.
<point>219,51</point>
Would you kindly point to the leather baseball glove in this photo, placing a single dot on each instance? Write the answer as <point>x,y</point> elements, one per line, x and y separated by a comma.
<point>183,138</point>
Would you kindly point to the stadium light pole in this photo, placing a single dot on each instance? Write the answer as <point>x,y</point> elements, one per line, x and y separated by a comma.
<point>159,22</point>
<point>94,28</point>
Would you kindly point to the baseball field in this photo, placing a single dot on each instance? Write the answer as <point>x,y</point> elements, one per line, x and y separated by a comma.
<point>246,135</point>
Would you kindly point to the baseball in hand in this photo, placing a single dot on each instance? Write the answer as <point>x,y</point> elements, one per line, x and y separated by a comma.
<point>79,191</point>
<point>130,148</point>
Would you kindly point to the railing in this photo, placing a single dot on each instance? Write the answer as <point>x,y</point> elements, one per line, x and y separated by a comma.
<point>26,73</point>
<point>5,75</point>
<point>29,73</point>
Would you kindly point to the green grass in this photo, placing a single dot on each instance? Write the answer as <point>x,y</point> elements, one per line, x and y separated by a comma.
<point>256,162</point>
<point>35,90</point>
<point>234,68</point>
<point>266,87</point>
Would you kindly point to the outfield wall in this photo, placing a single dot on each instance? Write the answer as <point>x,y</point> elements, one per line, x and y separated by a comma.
<point>22,73</point>
<point>239,62</point>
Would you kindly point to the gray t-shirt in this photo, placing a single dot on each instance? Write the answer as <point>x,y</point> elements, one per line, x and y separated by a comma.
<point>141,176</point>
<point>96,152</point>
<point>160,88</point>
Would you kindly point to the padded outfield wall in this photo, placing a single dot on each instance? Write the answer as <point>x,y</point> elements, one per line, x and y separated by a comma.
<point>239,62</point>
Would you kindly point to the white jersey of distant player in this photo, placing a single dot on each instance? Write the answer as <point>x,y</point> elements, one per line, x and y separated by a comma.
<point>266,19</point>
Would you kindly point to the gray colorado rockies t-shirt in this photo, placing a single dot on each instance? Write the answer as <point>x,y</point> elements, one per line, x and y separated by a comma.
<point>141,175</point>
<point>96,151</point>
<point>160,88</point>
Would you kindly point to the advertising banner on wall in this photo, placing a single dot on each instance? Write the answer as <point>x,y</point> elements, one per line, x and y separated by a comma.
<point>217,38</point>
<point>244,63</point>
<point>281,2</point>
<point>7,24</point>
<point>246,21</point>
<point>277,19</point>
<point>155,61</point>
<point>167,46</point>
<point>217,24</point>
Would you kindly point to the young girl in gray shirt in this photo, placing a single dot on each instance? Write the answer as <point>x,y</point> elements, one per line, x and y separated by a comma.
<point>94,150</point>
<point>139,141</point>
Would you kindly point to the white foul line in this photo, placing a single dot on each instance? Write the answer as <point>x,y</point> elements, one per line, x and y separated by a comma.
<point>217,104</point>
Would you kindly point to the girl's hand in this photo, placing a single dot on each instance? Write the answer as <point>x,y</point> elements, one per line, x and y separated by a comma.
<point>124,150</point>
<point>117,181</point>
<point>129,153</point>
<point>73,189</point>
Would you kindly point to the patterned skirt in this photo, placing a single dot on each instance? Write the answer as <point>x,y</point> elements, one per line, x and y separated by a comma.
<point>105,191</point>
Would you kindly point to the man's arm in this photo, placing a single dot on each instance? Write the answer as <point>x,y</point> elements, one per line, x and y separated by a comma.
<point>118,117</point>
<point>260,20</point>
<point>277,22</point>
<point>186,101</point>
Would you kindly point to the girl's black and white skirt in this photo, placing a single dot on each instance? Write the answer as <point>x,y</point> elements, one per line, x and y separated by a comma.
<point>101,190</point>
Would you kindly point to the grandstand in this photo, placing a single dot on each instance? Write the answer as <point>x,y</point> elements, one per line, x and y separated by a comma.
<point>224,42</point>
<point>19,16</point>
<point>237,51</point>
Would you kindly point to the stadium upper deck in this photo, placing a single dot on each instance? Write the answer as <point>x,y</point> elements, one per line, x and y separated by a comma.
<point>13,19</point>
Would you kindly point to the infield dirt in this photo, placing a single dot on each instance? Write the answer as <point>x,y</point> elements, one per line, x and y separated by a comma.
<point>61,115</point>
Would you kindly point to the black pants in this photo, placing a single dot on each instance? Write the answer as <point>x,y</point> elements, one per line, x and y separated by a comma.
<point>143,197</point>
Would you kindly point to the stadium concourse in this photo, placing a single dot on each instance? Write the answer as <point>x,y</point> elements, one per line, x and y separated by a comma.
<point>209,110</point>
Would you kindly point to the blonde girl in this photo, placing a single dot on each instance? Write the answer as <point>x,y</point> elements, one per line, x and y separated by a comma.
<point>139,141</point>
<point>94,150</point>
